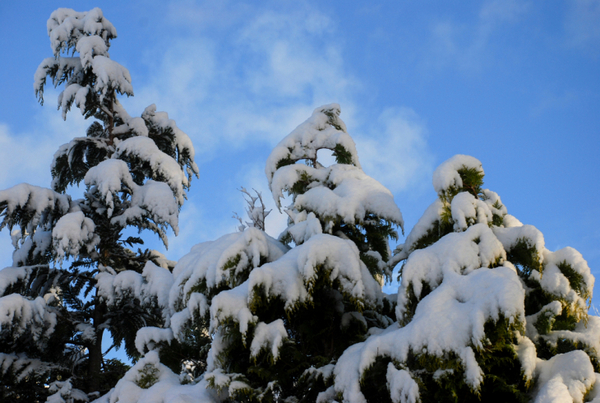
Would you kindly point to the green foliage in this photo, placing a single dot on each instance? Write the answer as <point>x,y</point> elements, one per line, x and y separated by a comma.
<point>285,161</point>
<point>73,160</point>
<point>441,378</point>
<point>439,229</point>
<point>576,281</point>
<point>472,180</point>
<point>413,300</point>
<point>525,256</point>
<point>148,376</point>
<point>302,184</point>
<point>371,383</point>
<point>342,156</point>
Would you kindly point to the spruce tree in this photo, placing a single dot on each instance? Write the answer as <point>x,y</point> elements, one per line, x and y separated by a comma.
<point>54,303</point>
<point>485,312</point>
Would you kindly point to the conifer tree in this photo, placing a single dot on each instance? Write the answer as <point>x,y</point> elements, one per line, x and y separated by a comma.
<point>485,312</point>
<point>279,313</point>
<point>135,172</point>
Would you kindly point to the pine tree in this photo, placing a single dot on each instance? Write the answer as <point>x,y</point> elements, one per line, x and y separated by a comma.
<point>485,312</point>
<point>56,300</point>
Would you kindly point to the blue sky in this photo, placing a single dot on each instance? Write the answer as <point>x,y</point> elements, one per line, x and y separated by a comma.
<point>513,83</point>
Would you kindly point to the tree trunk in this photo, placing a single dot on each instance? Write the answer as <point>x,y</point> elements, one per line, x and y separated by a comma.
<point>95,354</point>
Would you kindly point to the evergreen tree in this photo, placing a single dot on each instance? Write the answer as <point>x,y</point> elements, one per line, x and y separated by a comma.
<point>485,312</point>
<point>135,171</point>
<point>279,315</point>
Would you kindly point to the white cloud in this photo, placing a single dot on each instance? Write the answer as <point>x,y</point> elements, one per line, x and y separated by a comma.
<point>582,25</point>
<point>553,102</point>
<point>26,156</point>
<point>235,76</point>
<point>465,45</point>
<point>394,150</point>
<point>253,78</point>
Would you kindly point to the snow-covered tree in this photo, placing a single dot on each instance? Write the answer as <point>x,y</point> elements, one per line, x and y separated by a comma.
<point>485,312</point>
<point>54,310</point>
<point>271,317</point>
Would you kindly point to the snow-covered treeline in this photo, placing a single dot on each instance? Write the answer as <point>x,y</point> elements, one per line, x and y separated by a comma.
<point>483,312</point>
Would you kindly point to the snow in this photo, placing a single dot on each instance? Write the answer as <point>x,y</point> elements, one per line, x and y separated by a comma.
<point>455,253</point>
<point>63,392</point>
<point>147,337</point>
<point>447,176</point>
<point>584,335</point>
<point>182,141</point>
<point>527,354</point>
<point>22,365</point>
<point>564,378</point>
<point>19,314</point>
<point>153,200</point>
<point>317,132</point>
<point>354,195</point>
<point>166,389</point>
<point>90,46</point>
<point>232,304</point>
<point>292,277</point>
<point>510,236</point>
<point>465,294</point>
<point>109,177</point>
<point>165,168</point>
<point>339,192</point>
<point>157,283</point>
<point>37,200</point>
<point>150,288</point>
<point>65,66</point>
<point>110,76</point>
<point>303,226</point>
<point>403,389</point>
<point>112,288</point>
<point>72,233</point>
<point>72,92</point>
<point>449,319</point>
<point>196,305</point>
<point>423,225</point>
<point>268,337</point>
<point>209,262</point>
<point>467,210</point>
<point>12,275</point>
<point>494,202</point>
<point>555,283</point>
<point>66,25</point>
<point>138,126</point>
<point>87,331</point>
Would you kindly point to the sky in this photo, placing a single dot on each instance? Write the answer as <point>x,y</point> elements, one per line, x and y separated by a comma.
<point>515,84</point>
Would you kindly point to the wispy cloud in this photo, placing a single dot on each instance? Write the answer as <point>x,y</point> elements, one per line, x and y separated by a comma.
<point>254,82</point>
<point>394,150</point>
<point>465,45</point>
<point>552,102</point>
<point>582,25</point>
<point>239,76</point>
<point>25,156</point>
